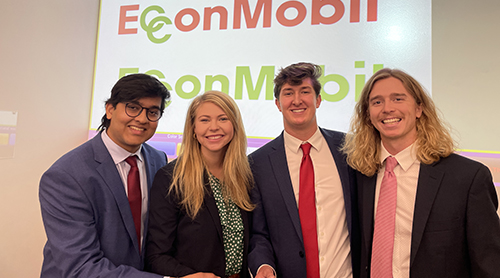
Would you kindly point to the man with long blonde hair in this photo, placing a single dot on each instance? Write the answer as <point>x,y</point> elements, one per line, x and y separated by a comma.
<point>424,211</point>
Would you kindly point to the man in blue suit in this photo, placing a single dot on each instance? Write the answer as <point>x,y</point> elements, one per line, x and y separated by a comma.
<point>277,244</point>
<point>92,230</point>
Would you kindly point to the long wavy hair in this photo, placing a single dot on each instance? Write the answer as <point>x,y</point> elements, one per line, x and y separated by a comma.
<point>362,144</point>
<point>190,169</point>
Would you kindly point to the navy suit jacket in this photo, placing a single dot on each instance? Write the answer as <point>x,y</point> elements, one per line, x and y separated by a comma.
<point>277,235</point>
<point>87,217</point>
<point>456,229</point>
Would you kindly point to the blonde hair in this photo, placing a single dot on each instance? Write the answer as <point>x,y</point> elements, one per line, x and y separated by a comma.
<point>190,170</point>
<point>362,144</point>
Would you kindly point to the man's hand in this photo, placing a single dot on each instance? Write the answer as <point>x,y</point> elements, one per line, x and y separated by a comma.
<point>265,271</point>
<point>201,275</point>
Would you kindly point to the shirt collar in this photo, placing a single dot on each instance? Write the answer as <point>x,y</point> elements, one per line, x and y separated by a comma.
<point>405,157</point>
<point>293,143</point>
<point>118,154</point>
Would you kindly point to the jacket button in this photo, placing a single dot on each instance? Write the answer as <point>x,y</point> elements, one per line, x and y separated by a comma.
<point>301,254</point>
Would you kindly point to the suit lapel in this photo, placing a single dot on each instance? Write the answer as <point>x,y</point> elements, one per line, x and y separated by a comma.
<point>213,210</point>
<point>279,166</point>
<point>366,191</point>
<point>334,143</point>
<point>109,173</point>
<point>214,213</point>
<point>429,180</point>
<point>150,165</point>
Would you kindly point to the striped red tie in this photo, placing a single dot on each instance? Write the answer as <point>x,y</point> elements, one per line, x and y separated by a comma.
<point>134,195</point>
<point>307,213</point>
<point>383,235</point>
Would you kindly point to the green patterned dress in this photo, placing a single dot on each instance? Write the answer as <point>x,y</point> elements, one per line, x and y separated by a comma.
<point>232,228</point>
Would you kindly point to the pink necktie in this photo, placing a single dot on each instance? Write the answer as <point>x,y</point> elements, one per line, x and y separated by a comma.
<point>383,235</point>
<point>134,195</point>
<point>307,213</point>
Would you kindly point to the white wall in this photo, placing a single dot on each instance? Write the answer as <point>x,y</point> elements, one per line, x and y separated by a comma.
<point>465,72</point>
<point>465,65</point>
<point>46,66</point>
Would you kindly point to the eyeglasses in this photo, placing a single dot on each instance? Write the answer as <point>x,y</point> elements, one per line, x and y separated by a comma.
<point>133,110</point>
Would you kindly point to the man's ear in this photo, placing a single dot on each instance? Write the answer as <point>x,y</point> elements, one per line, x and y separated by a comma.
<point>110,109</point>
<point>277,102</point>
<point>318,100</point>
<point>419,110</point>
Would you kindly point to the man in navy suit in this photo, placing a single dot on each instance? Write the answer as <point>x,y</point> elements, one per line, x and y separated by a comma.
<point>84,198</point>
<point>443,220</point>
<point>277,245</point>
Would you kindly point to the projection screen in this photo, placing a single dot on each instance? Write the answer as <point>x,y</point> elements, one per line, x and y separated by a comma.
<point>238,47</point>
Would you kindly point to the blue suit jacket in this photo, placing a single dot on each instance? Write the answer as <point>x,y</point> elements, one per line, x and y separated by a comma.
<point>276,234</point>
<point>456,229</point>
<point>87,217</point>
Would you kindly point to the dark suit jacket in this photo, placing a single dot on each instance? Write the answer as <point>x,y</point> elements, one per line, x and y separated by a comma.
<point>178,245</point>
<point>456,229</point>
<point>87,218</point>
<point>276,235</point>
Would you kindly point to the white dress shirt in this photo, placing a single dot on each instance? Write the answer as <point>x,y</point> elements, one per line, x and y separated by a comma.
<point>333,235</point>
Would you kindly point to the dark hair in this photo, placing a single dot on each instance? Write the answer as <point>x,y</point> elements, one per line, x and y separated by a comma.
<point>295,73</point>
<point>134,87</point>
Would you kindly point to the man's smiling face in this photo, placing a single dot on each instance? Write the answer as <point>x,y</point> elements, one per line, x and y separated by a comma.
<point>298,105</point>
<point>394,112</point>
<point>130,132</point>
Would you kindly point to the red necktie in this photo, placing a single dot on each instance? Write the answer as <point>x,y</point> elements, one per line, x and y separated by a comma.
<point>134,195</point>
<point>307,213</point>
<point>383,235</point>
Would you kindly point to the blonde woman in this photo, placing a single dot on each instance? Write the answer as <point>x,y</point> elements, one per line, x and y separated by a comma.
<point>200,202</point>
